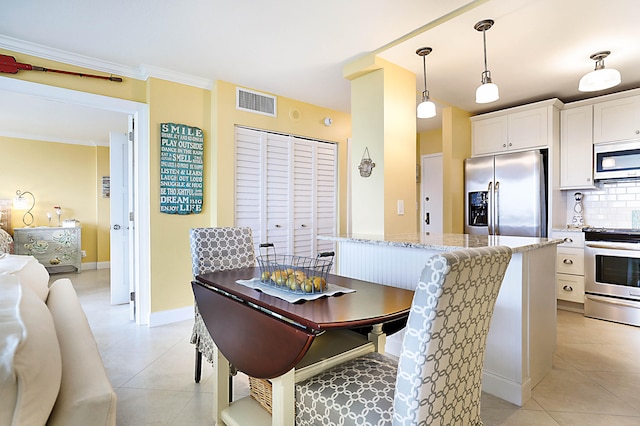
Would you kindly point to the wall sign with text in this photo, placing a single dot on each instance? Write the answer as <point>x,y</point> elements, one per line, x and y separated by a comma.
<point>181,168</point>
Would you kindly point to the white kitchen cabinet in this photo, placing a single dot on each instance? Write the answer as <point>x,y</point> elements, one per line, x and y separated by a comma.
<point>616,120</point>
<point>576,147</point>
<point>570,266</point>
<point>285,190</point>
<point>510,130</point>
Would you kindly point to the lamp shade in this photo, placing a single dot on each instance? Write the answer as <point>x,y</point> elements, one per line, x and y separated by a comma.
<point>599,80</point>
<point>487,92</point>
<point>426,109</point>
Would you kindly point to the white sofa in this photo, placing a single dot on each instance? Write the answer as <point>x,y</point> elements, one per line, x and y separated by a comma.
<point>50,368</point>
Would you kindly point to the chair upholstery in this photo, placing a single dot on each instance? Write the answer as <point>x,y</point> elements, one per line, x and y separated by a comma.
<point>217,249</point>
<point>439,375</point>
<point>6,242</point>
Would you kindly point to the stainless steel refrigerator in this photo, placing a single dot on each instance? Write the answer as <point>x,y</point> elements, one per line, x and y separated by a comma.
<point>506,194</point>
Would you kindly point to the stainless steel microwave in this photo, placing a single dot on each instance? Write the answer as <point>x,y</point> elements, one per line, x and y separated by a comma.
<point>616,160</point>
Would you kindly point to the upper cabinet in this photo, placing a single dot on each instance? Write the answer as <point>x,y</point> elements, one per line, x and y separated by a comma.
<point>576,147</point>
<point>616,120</point>
<point>516,129</point>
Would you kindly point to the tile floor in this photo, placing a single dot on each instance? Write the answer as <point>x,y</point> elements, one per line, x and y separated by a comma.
<point>595,379</point>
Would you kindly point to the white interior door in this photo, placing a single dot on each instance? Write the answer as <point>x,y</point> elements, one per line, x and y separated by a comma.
<point>431,212</point>
<point>119,216</point>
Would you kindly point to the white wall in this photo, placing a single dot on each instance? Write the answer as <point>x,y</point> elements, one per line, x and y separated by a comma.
<point>611,205</point>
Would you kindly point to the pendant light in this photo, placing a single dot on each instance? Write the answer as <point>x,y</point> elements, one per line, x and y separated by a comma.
<point>488,91</point>
<point>426,108</point>
<point>600,78</point>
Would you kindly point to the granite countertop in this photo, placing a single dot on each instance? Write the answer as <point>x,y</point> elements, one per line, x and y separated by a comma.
<point>448,242</point>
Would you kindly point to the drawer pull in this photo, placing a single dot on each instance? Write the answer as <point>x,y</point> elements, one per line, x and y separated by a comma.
<point>567,261</point>
<point>567,288</point>
<point>568,240</point>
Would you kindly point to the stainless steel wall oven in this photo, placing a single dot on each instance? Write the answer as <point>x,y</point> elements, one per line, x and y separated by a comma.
<point>612,275</point>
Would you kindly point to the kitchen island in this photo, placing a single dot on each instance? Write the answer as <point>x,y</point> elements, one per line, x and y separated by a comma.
<point>522,336</point>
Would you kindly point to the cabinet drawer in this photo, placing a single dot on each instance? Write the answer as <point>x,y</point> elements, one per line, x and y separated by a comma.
<point>570,261</point>
<point>571,239</point>
<point>570,288</point>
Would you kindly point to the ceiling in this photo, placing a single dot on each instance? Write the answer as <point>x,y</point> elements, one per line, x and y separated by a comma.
<point>537,49</point>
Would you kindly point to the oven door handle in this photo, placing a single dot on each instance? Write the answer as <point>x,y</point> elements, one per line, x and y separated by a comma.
<point>611,301</point>
<point>606,247</point>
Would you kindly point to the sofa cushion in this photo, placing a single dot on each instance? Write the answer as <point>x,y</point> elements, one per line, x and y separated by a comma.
<point>86,395</point>
<point>31,364</point>
<point>31,273</point>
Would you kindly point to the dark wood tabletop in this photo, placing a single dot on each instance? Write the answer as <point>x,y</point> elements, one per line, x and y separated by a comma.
<point>265,336</point>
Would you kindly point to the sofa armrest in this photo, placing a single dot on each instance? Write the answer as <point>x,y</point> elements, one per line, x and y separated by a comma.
<point>86,396</point>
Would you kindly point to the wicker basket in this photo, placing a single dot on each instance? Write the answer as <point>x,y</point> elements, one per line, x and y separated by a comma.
<point>295,274</point>
<point>260,390</point>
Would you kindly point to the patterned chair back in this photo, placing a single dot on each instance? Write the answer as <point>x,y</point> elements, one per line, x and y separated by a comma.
<point>440,369</point>
<point>220,249</point>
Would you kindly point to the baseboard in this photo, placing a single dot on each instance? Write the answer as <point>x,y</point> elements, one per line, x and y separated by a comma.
<point>512,392</point>
<point>87,266</point>
<point>170,316</point>
<point>103,265</point>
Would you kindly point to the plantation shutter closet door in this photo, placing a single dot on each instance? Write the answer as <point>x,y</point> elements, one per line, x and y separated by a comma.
<point>286,190</point>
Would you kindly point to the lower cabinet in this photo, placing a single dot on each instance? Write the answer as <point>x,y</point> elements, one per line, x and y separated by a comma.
<point>570,266</point>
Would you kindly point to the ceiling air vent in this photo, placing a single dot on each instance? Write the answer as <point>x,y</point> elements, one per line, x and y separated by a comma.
<point>248,100</point>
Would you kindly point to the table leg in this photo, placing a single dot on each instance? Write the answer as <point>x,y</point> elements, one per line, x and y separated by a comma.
<point>283,399</point>
<point>220,385</point>
<point>378,338</point>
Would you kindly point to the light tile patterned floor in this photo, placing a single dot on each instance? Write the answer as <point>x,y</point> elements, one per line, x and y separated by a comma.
<point>595,380</point>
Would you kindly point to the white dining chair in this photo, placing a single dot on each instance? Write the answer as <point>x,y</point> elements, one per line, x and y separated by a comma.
<point>216,249</point>
<point>439,375</point>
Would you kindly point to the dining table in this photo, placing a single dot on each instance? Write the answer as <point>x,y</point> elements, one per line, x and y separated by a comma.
<point>267,337</point>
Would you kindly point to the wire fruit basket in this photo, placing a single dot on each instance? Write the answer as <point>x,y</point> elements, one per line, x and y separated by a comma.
<point>296,274</point>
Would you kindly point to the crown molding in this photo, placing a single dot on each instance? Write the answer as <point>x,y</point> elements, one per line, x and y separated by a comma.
<point>177,77</point>
<point>143,72</point>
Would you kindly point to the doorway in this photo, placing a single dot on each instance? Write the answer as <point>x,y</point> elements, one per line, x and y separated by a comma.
<point>141,184</point>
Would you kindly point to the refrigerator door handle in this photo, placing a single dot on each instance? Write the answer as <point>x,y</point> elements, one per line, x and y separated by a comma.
<point>490,209</point>
<point>496,203</point>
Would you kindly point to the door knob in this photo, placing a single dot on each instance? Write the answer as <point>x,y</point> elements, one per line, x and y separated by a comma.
<point>116,227</point>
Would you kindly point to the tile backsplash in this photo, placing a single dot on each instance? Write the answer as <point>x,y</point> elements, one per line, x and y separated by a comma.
<point>612,205</point>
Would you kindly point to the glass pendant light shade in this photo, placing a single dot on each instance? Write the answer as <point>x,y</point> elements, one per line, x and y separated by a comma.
<point>487,92</point>
<point>426,109</point>
<point>601,78</point>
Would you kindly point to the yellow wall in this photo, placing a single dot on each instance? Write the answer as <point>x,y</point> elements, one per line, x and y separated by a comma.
<point>58,175</point>
<point>456,144</point>
<point>129,88</point>
<point>170,256</point>
<point>103,221</point>
<point>429,142</point>
<point>384,121</point>
<point>367,194</point>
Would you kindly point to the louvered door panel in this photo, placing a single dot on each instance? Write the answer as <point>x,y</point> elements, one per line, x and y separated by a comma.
<point>277,191</point>
<point>248,181</point>
<point>325,194</point>
<point>303,188</point>
<point>286,191</point>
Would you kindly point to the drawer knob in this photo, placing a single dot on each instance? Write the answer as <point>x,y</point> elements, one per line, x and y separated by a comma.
<point>567,261</point>
<point>567,288</point>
